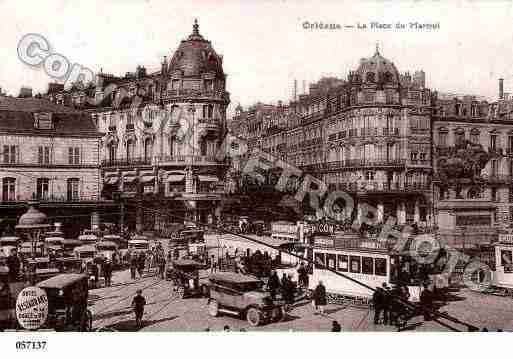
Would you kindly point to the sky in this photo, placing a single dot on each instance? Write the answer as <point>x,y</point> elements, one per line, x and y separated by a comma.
<point>264,43</point>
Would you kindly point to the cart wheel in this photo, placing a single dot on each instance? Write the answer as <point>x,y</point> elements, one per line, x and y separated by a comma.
<point>213,308</point>
<point>254,317</point>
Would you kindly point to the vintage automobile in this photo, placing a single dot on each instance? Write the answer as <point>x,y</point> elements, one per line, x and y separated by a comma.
<point>67,302</point>
<point>88,238</point>
<point>138,245</point>
<point>7,244</point>
<point>68,264</point>
<point>120,241</point>
<point>184,273</point>
<point>38,269</point>
<point>107,249</point>
<point>32,249</point>
<point>68,246</point>
<point>54,244</point>
<point>86,253</point>
<point>243,295</point>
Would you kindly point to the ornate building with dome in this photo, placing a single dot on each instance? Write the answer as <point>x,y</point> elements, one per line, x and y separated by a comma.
<point>368,135</point>
<point>161,133</point>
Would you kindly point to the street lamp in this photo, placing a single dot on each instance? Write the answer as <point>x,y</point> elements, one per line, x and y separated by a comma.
<point>32,223</point>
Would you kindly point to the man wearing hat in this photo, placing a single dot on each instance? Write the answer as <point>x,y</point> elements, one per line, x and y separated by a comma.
<point>379,300</point>
<point>386,303</point>
<point>138,304</point>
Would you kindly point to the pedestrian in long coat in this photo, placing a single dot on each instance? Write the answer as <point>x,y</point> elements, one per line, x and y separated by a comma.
<point>319,297</point>
<point>273,284</point>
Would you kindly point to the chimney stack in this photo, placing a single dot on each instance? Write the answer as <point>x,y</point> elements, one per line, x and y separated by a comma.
<point>501,89</point>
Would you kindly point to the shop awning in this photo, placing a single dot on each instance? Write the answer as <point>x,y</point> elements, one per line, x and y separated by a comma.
<point>205,178</point>
<point>147,178</point>
<point>175,178</point>
<point>129,179</point>
<point>111,180</point>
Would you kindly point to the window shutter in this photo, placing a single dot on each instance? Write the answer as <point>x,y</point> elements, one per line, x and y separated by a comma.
<point>77,155</point>
<point>6,154</point>
<point>40,155</point>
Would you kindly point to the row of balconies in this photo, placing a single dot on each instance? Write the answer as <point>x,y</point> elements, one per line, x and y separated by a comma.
<point>335,165</point>
<point>364,132</point>
<point>218,94</point>
<point>48,198</point>
<point>131,127</point>
<point>162,160</point>
<point>373,186</point>
<point>494,151</point>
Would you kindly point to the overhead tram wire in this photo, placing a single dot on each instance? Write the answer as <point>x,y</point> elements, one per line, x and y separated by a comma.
<point>436,314</point>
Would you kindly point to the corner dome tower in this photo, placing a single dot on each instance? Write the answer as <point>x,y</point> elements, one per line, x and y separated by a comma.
<point>378,69</point>
<point>195,56</point>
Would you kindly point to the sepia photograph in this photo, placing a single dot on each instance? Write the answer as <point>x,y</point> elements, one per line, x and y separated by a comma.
<point>274,166</point>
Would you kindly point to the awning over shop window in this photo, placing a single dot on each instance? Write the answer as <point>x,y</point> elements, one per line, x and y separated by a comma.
<point>205,178</point>
<point>175,178</point>
<point>111,180</point>
<point>129,179</point>
<point>147,178</point>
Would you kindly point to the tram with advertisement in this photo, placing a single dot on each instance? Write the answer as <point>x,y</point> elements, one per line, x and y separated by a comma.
<point>371,263</point>
<point>502,269</point>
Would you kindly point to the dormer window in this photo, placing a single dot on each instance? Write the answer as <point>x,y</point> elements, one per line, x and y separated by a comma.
<point>43,121</point>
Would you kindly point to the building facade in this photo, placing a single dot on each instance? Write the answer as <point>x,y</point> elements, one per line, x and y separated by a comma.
<point>368,135</point>
<point>162,132</point>
<point>50,154</point>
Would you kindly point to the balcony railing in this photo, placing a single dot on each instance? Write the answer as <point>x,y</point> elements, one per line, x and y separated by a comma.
<point>123,162</point>
<point>365,163</point>
<point>194,92</point>
<point>497,178</point>
<point>420,162</point>
<point>187,159</point>
<point>372,186</point>
<point>50,199</point>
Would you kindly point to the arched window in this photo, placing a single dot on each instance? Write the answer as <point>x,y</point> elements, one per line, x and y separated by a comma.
<point>130,149</point>
<point>474,136</point>
<point>43,188</point>
<point>8,189</point>
<point>371,77</point>
<point>73,189</point>
<point>171,145</point>
<point>148,149</point>
<point>473,193</point>
<point>203,147</point>
<point>459,136</point>
<point>388,77</point>
<point>442,137</point>
<point>111,151</point>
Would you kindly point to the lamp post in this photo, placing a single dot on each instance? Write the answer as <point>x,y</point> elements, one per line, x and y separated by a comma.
<point>32,223</point>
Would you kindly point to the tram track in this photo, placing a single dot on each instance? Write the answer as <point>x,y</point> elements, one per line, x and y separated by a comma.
<point>149,316</point>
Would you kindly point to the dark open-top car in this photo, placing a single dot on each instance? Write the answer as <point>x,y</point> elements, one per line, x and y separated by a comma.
<point>184,273</point>
<point>244,296</point>
<point>67,302</point>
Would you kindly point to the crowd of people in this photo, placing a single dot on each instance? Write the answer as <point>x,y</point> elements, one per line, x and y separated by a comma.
<point>390,306</point>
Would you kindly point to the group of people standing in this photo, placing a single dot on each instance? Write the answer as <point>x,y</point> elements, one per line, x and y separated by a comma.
<point>137,264</point>
<point>390,304</point>
<point>285,286</point>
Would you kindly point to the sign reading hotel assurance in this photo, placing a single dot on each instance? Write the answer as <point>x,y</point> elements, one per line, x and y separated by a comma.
<point>32,308</point>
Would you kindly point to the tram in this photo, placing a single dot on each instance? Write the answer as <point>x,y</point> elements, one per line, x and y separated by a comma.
<point>502,271</point>
<point>372,266</point>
